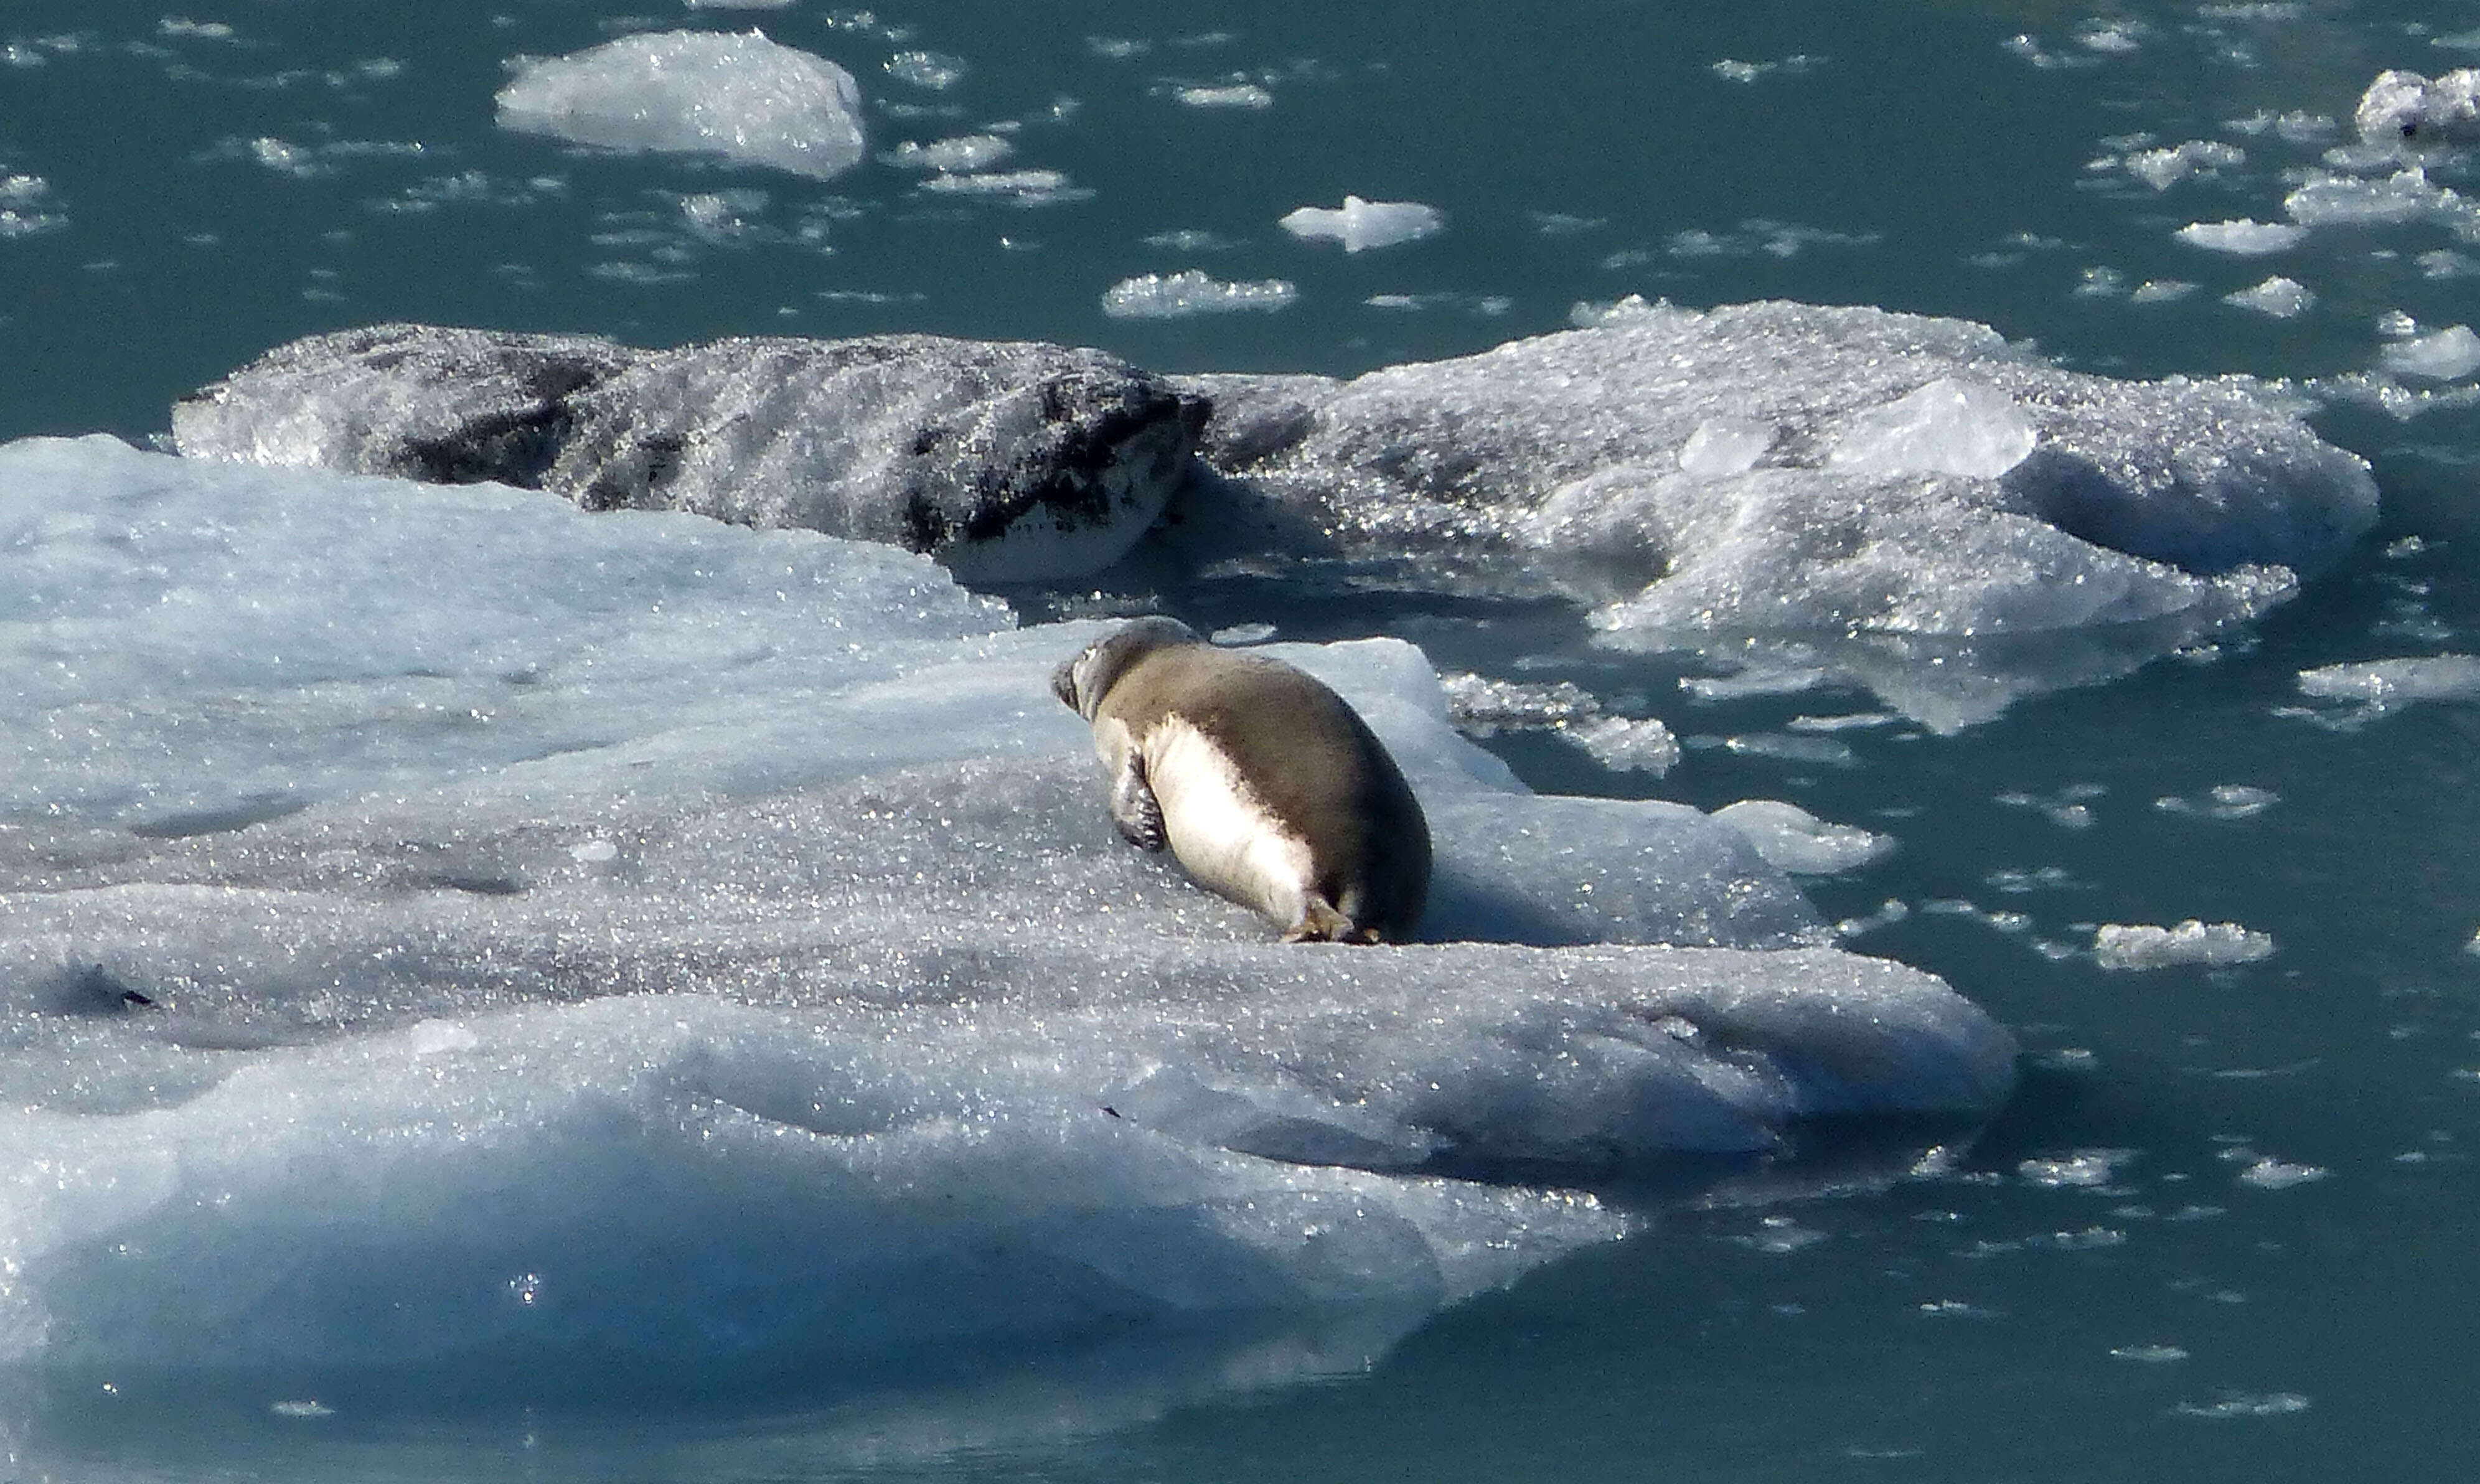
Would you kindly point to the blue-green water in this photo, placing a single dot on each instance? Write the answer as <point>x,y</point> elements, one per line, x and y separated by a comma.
<point>2157,1312</point>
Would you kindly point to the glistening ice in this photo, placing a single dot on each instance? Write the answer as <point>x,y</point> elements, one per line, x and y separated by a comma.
<point>477,905</point>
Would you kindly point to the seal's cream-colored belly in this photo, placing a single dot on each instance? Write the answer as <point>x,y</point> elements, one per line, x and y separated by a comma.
<point>1217,827</point>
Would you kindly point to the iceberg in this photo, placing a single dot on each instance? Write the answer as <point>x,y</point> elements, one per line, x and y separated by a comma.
<point>1009,462</point>
<point>741,96</point>
<point>441,928</point>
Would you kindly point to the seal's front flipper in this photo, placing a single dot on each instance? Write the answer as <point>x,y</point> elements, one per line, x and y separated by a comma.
<point>1134,807</point>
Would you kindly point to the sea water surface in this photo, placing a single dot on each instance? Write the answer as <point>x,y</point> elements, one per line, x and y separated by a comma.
<point>2221,1231</point>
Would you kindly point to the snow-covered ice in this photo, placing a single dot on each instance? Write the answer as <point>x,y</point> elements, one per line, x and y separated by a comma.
<point>739,95</point>
<point>442,924</point>
<point>1360,224</point>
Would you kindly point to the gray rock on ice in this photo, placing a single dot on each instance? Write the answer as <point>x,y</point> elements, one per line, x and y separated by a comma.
<point>1006,462</point>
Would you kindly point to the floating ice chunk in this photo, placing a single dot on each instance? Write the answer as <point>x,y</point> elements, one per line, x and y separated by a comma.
<point>27,208</point>
<point>2160,291</point>
<point>2407,108</point>
<point>2149,1355</point>
<point>2225,802</point>
<point>2118,946</point>
<point>2282,298</point>
<point>2447,356</point>
<point>1948,427</point>
<point>740,97</point>
<point>2271,1174</point>
<point>2113,37</point>
<point>2162,168</point>
<point>2384,683</point>
<point>2083,1169</point>
<point>1628,743</point>
<point>964,155</point>
<point>1801,842</point>
<point>2406,195</point>
<point>1225,95</point>
<point>1794,66</point>
<point>934,71</point>
<point>1191,291</point>
<point>2243,1404</point>
<point>2245,237</point>
<point>1726,446</point>
<point>1026,188</point>
<point>1483,707</point>
<point>1360,224</point>
<point>739,4</point>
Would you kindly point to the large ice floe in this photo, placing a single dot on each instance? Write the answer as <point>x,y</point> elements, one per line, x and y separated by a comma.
<point>1007,461</point>
<point>1914,501</point>
<point>441,928</point>
<point>1913,504</point>
<point>741,96</point>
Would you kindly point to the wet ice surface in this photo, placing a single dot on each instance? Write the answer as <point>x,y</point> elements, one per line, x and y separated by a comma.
<point>754,883</point>
<point>2265,1234</point>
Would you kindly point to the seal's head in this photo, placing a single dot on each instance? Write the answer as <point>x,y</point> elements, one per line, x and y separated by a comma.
<point>1081,683</point>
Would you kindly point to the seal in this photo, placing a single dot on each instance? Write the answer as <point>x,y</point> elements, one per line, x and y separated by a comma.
<point>1267,786</point>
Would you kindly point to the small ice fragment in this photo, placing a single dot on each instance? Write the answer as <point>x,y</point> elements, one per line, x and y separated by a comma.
<point>964,155</point>
<point>935,71</point>
<point>2282,298</point>
<point>2271,1174</point>
<point>2447,356</point>
<point>1948,427</point>
<point>2162,168</point>
<point>2245,237</point>
<point>1170,296</point>
<point>2160,291</point>
<point>2240,1404</point>
<point>1030,187</point>
<point>2080,1170</point>
<point>595,852</point>
<point>2149,1355</point>
<point>1787,747</point>
<point>1724,446</point>
<point>1628,743</point>
<point>1792,839</point>
<point>1244,634</point>
<point>2119,946</point>
<point>301,1409</point>
<point>1360,224</point>
<point>1226,95</point>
